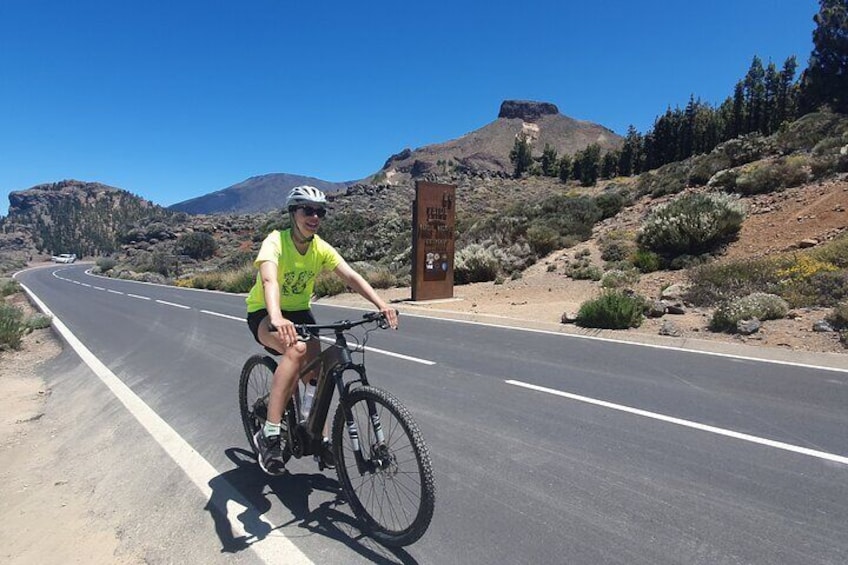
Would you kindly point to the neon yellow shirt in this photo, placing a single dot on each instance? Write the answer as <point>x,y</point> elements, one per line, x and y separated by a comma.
<point>295,272</point>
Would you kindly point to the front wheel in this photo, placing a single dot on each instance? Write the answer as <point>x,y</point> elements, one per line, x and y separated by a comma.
<point>383,466</point>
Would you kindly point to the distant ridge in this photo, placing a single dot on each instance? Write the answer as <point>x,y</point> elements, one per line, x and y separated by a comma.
<point>256,194</point>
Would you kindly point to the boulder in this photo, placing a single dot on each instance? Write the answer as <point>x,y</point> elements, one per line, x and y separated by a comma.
<point>670,329</point>
<point>748,327</point>
<point>822,326</point>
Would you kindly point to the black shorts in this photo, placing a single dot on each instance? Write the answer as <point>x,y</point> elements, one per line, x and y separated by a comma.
<point>296,317</point>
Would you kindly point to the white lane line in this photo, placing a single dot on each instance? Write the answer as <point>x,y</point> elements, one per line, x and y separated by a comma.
<point>605,339</point>
<point>227,316</point>
<point>384,352</point>
<point>166,303</point>
<point>86,285</point>
<point>114,291</point>
<point>138,296</point>
<point>271,549</point>
<point>687,423</point>
<point>98,288</point>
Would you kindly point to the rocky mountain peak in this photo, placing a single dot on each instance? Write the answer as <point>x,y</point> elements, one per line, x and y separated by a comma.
<point>526,110</point>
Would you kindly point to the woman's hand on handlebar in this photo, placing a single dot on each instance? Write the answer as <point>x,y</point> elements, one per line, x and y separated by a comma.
<point>391,316</point>
<point>285,330</point>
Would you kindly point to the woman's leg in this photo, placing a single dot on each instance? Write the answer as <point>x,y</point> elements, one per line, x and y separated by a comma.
<point>285,377</point>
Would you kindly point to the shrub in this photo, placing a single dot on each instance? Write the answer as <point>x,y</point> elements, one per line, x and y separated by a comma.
<point>646,261</point>
<point>239,280</point>
<point>106,264</point>
<point>583,269</point>
<point>38,322</point>
<point>824,288</point>
<point>8,287</point>
<point>838,318</point>
<point>745,148</point>
<point>211,280</point>
<point>835,252</point>
<point>668,179</point>
<point>768,176</point>
<point>807,281</point>
<point>12,326</point>
<point>615,249</point>
<point>692,224</point>
<point>712,283</point>
<point>328,284</point>
<point>610,203</point>
<point>613,310</point>
<point>381,278</point>
<point>704,167</point>
<point>542,239</point>
<point>474,263</point>
<point>197,245</point>
<point>619,279</point>
<point>759,305</point>
<point>810,130</point>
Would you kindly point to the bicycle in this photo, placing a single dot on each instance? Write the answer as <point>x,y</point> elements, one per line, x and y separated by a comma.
<point>381,461</point>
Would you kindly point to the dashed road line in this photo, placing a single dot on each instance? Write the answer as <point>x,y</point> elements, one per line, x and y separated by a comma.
<point>166,303</point>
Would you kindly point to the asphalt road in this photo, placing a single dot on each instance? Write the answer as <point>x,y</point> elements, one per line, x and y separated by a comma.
<point>546,448</point>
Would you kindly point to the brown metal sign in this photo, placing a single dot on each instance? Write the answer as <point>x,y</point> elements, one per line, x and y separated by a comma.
<point>433,231</point>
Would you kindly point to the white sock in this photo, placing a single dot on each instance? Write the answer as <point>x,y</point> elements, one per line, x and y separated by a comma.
<point>271,429</point>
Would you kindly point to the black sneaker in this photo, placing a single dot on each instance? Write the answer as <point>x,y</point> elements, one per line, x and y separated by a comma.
<point>270,453</point>
<point>326,459</point>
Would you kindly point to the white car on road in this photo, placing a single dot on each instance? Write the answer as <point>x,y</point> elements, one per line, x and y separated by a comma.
<point>65,258</point>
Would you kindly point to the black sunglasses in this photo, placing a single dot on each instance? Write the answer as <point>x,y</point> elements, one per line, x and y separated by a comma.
<point>310,211</point>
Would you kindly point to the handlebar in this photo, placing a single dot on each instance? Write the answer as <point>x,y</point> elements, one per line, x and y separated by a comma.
<point>307,331</point>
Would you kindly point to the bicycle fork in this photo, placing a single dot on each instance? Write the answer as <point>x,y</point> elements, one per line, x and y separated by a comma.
<point>375,459</point>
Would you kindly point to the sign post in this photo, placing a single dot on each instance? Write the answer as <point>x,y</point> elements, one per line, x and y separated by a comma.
<point>433,231</point>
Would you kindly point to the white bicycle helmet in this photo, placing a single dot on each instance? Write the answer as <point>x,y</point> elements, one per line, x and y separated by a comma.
<point>305,194</point>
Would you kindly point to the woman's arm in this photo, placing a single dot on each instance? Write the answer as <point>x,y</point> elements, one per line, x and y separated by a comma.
<point>360,285</point>
<point>271,289</point>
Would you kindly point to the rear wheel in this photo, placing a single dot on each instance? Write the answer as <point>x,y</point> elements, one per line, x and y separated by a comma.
<point>392,491</point>
<point>254,388</point>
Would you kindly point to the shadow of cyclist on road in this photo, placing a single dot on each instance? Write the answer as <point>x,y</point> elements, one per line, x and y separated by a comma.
<point>248,486</point>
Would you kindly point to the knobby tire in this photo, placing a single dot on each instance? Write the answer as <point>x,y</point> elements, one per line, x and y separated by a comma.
<point>394,502</point>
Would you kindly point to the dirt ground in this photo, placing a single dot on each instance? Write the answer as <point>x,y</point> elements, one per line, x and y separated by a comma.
<point>32,501</point>
<point>42,516</point>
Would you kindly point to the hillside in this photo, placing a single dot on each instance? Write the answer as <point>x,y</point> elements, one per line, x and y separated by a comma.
<point>71,216</point>
<point>486,150</point>
<point>779,224</point>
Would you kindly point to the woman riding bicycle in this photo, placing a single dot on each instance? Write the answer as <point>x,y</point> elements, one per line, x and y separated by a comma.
<point>288,263</point>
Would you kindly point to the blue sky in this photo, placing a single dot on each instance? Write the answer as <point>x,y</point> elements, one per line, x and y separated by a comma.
<point>175,99</point>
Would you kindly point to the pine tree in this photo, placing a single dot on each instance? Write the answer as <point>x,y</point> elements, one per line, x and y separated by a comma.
<point>825,81</point>
<point>590,163</point>
<point>520,156</point>
<point>787,91</point>
<point>772,86</point>
<point>550,163</point>
<point>754,96</point>
<point>609,165</point>
<point>631,153</point>
<point>565,168</point>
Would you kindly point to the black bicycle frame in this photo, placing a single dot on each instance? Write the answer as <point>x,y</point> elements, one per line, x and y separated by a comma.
<point>331,364</point>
